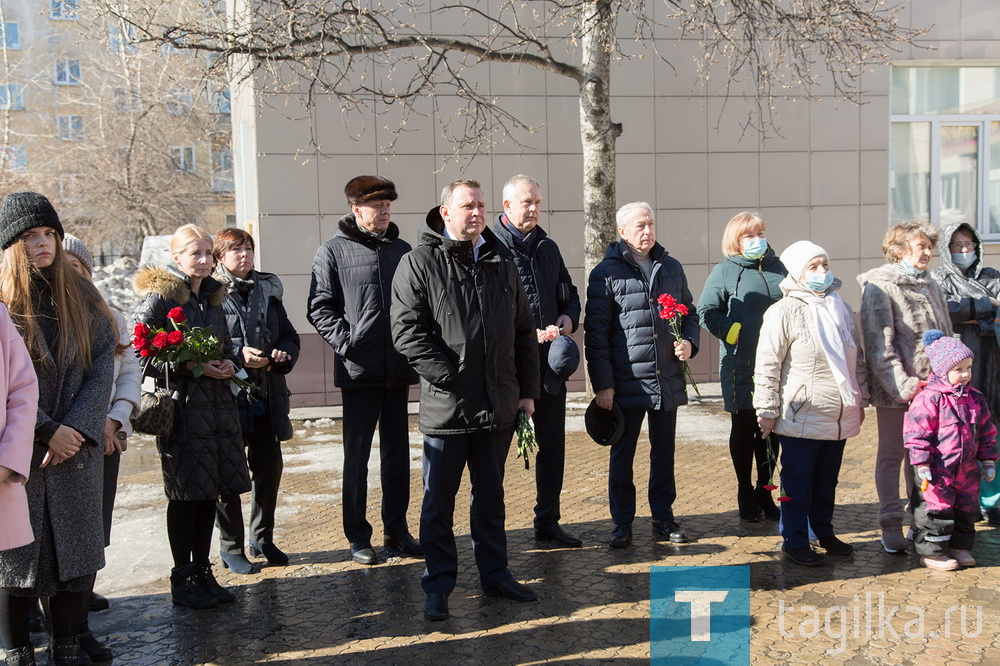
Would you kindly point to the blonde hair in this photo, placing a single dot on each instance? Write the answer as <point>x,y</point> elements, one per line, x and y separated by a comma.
<point>897,239</point>
<point>74,298</point>
<point>742,223</point>
<point>187,233</point>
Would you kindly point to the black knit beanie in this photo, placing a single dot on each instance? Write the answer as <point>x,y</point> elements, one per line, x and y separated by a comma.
<point>21,211</point>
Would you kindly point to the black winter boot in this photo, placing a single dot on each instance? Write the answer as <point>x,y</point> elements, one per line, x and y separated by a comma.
<point>22,656</point>
<point>187,591</point>
<point>203,574</point>
<point>95,649</point>
<point>766,503</point>
<point>67,652</point>
<point>747,501</point>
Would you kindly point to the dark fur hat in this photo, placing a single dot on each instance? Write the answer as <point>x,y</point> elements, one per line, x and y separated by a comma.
<point>367,188</point>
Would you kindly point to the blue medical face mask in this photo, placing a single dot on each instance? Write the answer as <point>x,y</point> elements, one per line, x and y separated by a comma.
<point>908,268</point>
<point>963,259</point>
<point>818,282</point>
<point>754,248</point>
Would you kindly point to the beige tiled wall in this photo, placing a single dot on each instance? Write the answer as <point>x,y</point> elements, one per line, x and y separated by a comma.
<point>822,175</point>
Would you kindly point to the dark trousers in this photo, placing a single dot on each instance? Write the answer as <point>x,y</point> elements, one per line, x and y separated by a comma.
<point>746,444</point>
<point>809,471</point>
<point>364,408</point>
<point>112,464</point>
<point>264,460</point>
<point>662,491</point>
<point>550,433</point>
<point>935,531</point>
<point>445,458</point>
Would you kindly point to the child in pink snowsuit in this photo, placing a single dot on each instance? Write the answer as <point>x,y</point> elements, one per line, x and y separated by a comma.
<point>949,432</point>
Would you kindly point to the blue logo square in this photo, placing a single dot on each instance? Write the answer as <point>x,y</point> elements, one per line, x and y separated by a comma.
<point>698,615</point>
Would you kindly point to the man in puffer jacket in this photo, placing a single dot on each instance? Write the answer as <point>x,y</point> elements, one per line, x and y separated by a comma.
<point>349,306</point>
<point>461,318</point>
<point>634,360</point>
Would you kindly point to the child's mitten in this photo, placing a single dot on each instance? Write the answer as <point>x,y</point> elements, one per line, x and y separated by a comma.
<point>925,474</point>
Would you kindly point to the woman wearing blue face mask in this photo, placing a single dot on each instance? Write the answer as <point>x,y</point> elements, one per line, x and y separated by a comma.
<point>731,308</point>
<point>811,390</point>
<point>971,290</point>
<point>899,301</point>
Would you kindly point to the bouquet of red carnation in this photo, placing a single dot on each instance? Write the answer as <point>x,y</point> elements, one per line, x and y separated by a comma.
<point>672,311</point>
<point>184,343</point>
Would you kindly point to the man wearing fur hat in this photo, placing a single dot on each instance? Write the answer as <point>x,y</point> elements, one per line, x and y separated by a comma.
<point>349,305</point>
<point>554,302</point>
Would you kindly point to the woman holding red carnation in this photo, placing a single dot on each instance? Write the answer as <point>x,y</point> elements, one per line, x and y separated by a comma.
<point>202,459</point>
<point>70,335</point>
<point>737,293</point>
<point>811,390</point>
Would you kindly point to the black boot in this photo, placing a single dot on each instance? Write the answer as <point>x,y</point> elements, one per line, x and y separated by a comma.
<point>22,656</point>
<point>95,649</point>
<point>203,574</point>
<point>187,591</point>
<point>747,501</point>
<point>66,651</point>
<point>766,504</point>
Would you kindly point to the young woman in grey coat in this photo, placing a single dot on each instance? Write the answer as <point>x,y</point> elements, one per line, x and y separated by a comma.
<point>972,290</point>
<point>69,332</point>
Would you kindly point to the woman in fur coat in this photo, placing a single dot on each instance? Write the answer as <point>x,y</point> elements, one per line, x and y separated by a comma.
<point>69,333</point>
<point>899,302</point>
<point>202,459</point>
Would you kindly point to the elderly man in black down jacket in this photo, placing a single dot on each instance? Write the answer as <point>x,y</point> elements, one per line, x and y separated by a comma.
<point>461,318</point>
<point>635,361</point>
<point>554,301</point>
<point>349,306</point>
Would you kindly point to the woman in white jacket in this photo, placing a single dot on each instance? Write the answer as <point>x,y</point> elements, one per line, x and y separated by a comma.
<point>117,428</point>
<point>810,389</point>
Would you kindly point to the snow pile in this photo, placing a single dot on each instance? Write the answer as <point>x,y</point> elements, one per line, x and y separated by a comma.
<point>114,281</point>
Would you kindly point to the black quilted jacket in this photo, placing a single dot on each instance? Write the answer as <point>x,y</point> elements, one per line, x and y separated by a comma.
<point>203,458</point>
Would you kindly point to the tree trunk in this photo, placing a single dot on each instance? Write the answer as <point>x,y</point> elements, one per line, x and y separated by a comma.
<point>597,132</point>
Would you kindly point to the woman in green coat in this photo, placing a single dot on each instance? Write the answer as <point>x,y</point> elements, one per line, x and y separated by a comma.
<point>731,307</point>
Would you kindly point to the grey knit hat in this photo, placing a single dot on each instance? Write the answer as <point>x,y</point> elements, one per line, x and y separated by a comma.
<point>21,211</point>
<point>75,246</point>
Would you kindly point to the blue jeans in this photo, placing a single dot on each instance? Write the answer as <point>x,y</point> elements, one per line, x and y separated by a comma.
<point>809,471</point>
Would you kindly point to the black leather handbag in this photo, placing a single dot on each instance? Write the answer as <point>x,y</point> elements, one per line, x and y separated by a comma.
<point>155,415</point>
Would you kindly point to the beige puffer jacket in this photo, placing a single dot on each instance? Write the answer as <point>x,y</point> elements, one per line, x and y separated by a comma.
<point>896,310</point>
<point>794,382</point>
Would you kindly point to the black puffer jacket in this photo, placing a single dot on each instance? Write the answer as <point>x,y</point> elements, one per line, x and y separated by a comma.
<point>550,290</point>
<point>968,295</point>
<point>349,301</point>
<point>203,458</point>
<point>467,330</point>
<point>628,347</point>
<point>280,334</point>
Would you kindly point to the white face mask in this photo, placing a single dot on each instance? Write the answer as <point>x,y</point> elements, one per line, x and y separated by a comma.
<point>963,259</point>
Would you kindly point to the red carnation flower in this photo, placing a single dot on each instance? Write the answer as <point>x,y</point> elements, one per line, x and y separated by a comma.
<point>177,315</point>
<point>161,340</point>
<point>175,337</point>
<point>770,487</point>
<point>784,498</point>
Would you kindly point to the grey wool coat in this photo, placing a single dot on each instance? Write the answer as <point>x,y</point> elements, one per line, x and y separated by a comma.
<point>64,500</point>
<point>203,458</point>
<point>896,310</point>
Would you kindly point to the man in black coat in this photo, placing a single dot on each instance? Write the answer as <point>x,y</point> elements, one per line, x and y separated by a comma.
<point>349,306</point>
<point>554,302</point>
<point>461,318</point>
<point>635,360</point>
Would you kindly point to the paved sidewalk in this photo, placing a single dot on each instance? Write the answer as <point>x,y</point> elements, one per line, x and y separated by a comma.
<point>594,601</point>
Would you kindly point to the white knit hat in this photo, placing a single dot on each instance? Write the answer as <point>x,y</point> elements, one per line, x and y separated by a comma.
<point>798,255</point>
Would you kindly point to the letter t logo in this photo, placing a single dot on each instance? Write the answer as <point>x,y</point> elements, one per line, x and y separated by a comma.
<point>701,610</point>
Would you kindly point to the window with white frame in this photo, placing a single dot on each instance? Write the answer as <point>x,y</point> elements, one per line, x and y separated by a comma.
<point>64,10</point>
<point>121,41</point>
<point>179,101</point>
<point>71,128</point>
<point>945,146</point>
<point>10,35</point>
<point>14,158</point>
<point>182,158</point>
<point>68,187</point>
<point>126,101</point>
<point>218,98</point>
<point>222,169</point>
<point>68,73</point>
<point>11,97</point>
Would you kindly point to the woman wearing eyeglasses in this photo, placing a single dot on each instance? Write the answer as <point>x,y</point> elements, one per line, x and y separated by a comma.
<point>972,291</point>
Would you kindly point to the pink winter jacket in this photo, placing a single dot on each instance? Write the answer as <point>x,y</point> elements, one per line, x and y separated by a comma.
<point>948,428</point>
<point>19,392</point>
